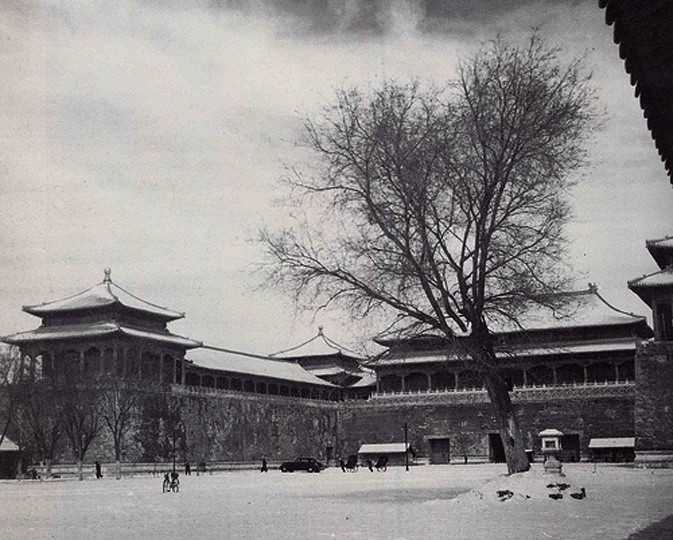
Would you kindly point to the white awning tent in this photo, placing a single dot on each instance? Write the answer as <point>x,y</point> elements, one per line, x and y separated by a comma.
<point>612,442</point>
<point>8,446</point>
<point>388,448</point>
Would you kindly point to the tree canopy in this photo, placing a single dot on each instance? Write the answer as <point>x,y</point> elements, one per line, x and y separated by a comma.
<point>444,208</point>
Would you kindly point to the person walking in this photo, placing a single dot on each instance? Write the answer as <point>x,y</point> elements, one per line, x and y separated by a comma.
<point>188,468</point>
<point>99,474</point>
<point>265,467</point>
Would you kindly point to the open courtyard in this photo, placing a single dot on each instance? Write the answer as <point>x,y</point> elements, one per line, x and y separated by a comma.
<point>451,501</point>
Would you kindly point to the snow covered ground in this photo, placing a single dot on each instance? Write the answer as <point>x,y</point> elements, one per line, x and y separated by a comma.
<point>427,502</point>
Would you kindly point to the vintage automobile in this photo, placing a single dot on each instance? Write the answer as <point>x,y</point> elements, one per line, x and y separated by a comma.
<point>307,464</point>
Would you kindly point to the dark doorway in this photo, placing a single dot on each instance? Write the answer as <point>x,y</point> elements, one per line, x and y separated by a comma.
<point>496,451</point>
<point>328,454</point>
<point>570,448</point>
<point>440,451</point>
<point>9,464</point>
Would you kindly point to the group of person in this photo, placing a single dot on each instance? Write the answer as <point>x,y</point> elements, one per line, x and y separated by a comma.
<point>201,467</point>
<point>171,482</point>
<point>352,464</point>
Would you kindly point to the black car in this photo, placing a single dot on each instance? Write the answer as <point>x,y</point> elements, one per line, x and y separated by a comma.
<point>307,464</point>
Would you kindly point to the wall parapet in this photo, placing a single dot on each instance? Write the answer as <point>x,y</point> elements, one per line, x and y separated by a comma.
<point>195,391</point>
<point>518,394</point>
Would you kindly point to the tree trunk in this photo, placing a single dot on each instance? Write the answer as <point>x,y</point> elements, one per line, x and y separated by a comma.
<point>512,439</point>
<point>48,467</point>
<point>80,471</point>
<point>118,469</point>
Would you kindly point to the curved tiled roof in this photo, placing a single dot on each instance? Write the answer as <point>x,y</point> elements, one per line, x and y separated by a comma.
<point>584,308</point>
<point>646,285</point>
<point>368,379</point>
<point>86,330</point>
<point>251,364</point>
<point>105,293</point>
<point>661,249</point>
<point>644,32</point>
<point>318,345</point>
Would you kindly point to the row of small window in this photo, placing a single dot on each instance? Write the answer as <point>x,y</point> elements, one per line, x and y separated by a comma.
<point>247,385</point>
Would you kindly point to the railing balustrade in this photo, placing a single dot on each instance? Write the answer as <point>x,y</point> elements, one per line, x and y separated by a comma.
<point>533,386</point>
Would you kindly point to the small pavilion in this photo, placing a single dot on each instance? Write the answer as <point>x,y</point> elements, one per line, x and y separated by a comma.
<point>104,330</point>
<point>326,359</point>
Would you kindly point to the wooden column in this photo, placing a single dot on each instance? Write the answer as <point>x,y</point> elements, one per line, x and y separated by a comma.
<point>182,371</point>
<point>429,381</point>
<point>455,380</point>
<point>81,362</point>
<point>554,375</point>
<point>161,367</point>
<point>616,372</point>
<point>525,377</point>
<point>31,366</point>
<point>403,384</point>
<point>125,361</point>
<point>586,374</point>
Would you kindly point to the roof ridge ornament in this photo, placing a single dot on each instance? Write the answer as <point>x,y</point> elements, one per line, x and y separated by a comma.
<point>108,273</point>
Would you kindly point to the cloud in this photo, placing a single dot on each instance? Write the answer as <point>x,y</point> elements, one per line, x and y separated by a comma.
<point>149,136</point>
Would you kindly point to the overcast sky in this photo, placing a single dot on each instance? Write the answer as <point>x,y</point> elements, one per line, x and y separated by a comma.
<point>150,138</point>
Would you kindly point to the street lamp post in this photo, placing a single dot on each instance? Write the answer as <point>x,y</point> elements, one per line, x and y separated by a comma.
<point>406,447</point>
<point>173,449</point>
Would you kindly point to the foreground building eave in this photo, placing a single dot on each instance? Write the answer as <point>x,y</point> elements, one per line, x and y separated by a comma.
<point>643,32</point>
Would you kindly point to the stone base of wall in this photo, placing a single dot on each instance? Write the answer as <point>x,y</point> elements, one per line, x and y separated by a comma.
<point>654,459</point>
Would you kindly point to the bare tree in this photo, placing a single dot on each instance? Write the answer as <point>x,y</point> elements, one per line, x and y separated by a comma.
<point>462,444</point>
<point>40,417</point>
<point>11,369</point>
<point>81,419</point>
<point>118,403</point>
<point>444,209</point>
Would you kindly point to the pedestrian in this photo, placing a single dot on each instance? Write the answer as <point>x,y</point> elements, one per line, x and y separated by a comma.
<point>265,467</point>
<point>188,468</point>
<point>99,474</point>
<point>342,465</point>
<point>370,465</point>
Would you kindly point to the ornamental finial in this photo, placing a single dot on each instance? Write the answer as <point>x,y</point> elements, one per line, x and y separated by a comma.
<point>107,278</point>
<point>320,330</point>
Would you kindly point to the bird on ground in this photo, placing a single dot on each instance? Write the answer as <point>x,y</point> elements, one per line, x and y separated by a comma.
<point>580,495</point>
<point>504,494</point>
